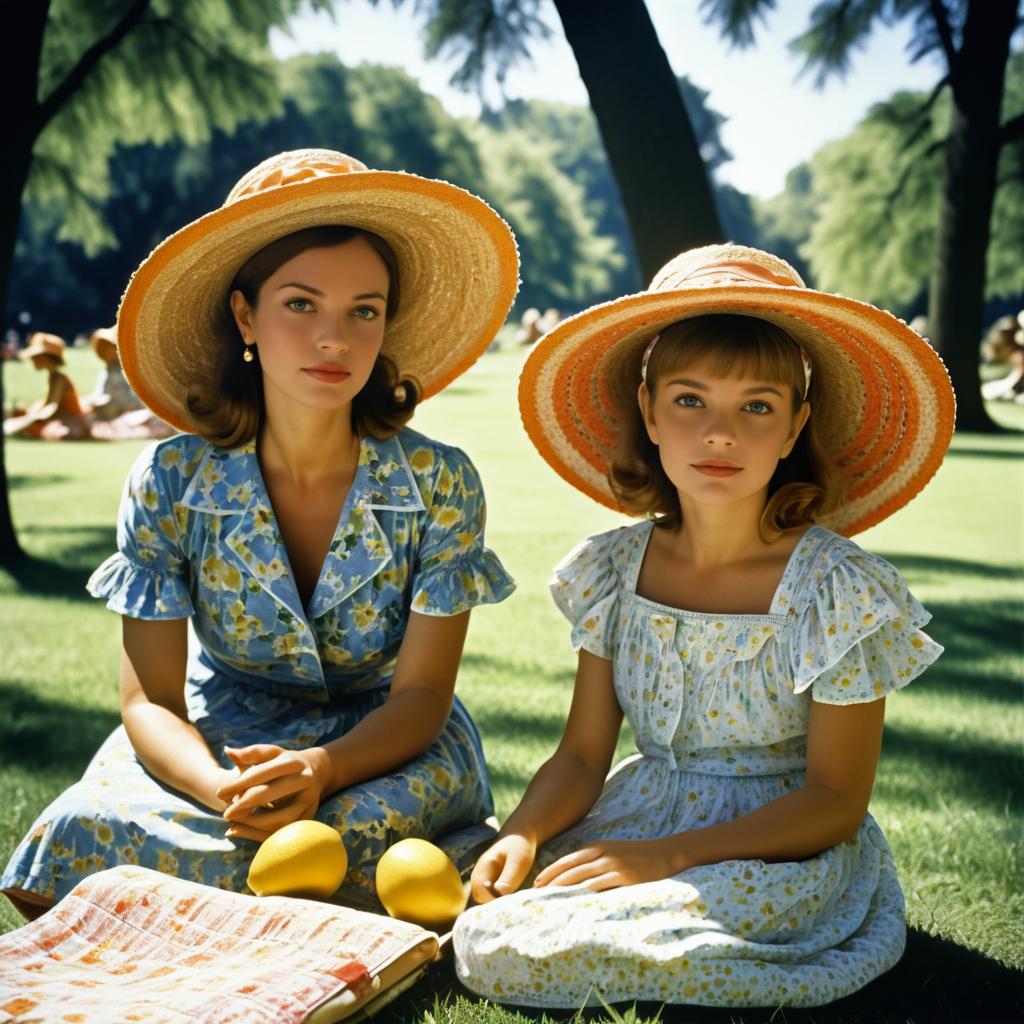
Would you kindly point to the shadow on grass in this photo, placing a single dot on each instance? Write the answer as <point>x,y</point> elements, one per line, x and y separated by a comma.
<point>917,566</point>
<point>988,453</point>
<point>64,575</point>
<point>936,981</point>
<point>43,734</point>
<point>18,481</point>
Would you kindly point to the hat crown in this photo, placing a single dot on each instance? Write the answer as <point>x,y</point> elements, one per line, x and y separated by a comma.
<point>46,344</point>
<point>729,264</point>
<point>291,167</point>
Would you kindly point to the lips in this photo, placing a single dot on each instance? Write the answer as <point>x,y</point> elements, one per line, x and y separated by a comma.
<point>717,467</point>
<point>328,373</point>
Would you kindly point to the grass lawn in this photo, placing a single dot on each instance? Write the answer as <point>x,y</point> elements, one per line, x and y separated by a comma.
<point>948,792</point>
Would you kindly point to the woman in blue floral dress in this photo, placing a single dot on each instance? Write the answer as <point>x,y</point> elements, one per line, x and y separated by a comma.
<point>294,571</point>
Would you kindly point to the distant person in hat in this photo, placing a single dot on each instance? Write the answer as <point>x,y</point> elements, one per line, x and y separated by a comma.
<point>296,569</point>
<point>1004,344</point>
<point>112,394</point>
<point>58,416</point>
<point>754,425</point>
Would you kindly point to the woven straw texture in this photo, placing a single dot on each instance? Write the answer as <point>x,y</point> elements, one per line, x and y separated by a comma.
<point>457,259</point>
<point>884,407</point>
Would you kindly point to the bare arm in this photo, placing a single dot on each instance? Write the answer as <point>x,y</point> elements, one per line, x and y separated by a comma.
<point>843,743</point>
<point>564,788</point>
<point>153,709</point>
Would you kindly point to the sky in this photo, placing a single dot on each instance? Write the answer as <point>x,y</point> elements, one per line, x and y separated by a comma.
<point>775,116</point>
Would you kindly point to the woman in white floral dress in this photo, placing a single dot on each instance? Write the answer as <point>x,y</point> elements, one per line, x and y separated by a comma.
<point>295,571</point>
<point>751,646</point>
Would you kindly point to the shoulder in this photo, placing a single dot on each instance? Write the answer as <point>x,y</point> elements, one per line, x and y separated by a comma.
<point>611,551</point>
<point>436,466</point>
<point>829,570</point>
<point>169,465</point>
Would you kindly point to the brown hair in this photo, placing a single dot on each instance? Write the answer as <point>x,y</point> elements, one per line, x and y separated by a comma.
<point>228,411</point>
<point>805,484</point>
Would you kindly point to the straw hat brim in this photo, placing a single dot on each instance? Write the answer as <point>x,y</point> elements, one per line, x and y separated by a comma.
<point>457,259</point>
<point>885,407</point>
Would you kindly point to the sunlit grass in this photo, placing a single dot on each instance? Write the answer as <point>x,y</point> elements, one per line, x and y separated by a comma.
<point>948,792</point>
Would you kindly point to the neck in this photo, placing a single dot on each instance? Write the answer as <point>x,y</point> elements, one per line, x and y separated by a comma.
<point>718,534</point>
<point>307,447</point>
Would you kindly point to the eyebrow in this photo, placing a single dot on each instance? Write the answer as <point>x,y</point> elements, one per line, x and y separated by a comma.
<point>316,291</point>
<point>758,389</point>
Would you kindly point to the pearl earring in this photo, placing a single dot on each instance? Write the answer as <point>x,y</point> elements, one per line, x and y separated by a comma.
<point>247,355</point>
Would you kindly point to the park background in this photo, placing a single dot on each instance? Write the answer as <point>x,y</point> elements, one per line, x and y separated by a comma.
<point>195,93</point>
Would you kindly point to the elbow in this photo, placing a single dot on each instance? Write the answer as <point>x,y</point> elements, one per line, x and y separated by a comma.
<point>848,811</point>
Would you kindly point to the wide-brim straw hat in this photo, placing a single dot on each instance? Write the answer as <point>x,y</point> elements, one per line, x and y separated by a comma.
<point>102,338</point>
<point>457,260</point>
<point>881,397</point>
<point>43,344</point>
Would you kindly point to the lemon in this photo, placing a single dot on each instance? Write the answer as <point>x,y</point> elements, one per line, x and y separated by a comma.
<point>305,858</point>
<point>417,882</point>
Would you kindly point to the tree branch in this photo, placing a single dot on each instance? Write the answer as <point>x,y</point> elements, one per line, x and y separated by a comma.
<point>1013,129</point>
<point>78,74</point>
<point>940,15</point>
<point>924,120</point>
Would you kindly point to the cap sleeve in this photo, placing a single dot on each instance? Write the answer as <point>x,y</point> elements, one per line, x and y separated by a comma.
<point>148,577</point>
<point>858,637</point>
<point>454,570</point>
<point>585,588</point>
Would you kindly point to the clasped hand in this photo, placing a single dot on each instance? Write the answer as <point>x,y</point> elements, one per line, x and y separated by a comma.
<point>603,865</point>
<point>270,787</point>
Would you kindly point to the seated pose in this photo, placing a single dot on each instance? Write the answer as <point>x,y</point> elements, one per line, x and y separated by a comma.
<point>731,862</point>
<point>58,416</point>
<point>295,571</point>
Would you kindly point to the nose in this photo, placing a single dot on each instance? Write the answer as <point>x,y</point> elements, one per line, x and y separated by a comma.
<point>332,336</point>
<point>720,432</point>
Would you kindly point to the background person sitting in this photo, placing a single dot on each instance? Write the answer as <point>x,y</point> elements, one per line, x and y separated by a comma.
<point>112,394</point>
<point>58,416</point>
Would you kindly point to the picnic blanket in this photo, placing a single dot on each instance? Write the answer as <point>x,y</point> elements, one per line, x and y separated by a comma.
<point>131,944</point>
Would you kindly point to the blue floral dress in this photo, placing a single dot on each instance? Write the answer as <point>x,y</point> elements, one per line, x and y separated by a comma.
<point>719,705</point>
<point>197,539</point>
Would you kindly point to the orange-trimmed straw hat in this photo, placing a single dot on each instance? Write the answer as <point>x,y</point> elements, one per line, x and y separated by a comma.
<point>884,406</point>
<point>42,344</point>
<point>457,259</point>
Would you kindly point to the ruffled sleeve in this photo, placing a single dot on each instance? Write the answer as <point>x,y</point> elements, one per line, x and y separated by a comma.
<point>858,636</point>
<point>148,577</point>
<point>585,588</point>
<point>454,570</point>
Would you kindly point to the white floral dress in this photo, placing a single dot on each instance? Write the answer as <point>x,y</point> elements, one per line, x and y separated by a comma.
<point>719,705</point>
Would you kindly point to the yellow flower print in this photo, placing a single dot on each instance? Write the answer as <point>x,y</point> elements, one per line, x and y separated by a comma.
<point>104,833</point>
<point>168,527</point>
<point>364,615</point>
<point>285,644</point>
<point>150,497</point>
<point>275,569</point>
<point>169,457</point>
<point>377,547</point>
<point>166,862</point>
<point>422,459</point>
<point>144,535</point>
<point>446,516</point>
<point>445,482</point>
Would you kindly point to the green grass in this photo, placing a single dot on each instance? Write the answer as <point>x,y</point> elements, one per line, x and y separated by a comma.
<point>948,792</point>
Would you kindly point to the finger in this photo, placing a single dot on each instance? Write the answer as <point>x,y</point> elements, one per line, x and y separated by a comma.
<point>570,860</point>
<point>609,880</point>
<point>257,799</point>
<point>239,830</point>
<point>253,754</point>
<point>575,875</point>
<point>512,874</point>
<point>261,774</point>
<point>485,874</point>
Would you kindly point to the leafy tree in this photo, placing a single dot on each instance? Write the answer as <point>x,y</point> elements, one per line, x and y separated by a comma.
<point>649,139</point>
<point>973,39</point>
<point>82,77</point>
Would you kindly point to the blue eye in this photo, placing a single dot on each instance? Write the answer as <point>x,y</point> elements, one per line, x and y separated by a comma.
<point>299,305</point>
<point>690,401</point>
<point>366,313</point>
<point>759,408</point>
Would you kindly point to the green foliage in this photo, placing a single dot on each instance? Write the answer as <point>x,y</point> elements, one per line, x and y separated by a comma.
<point>188,67</point>
<point>874,202</point>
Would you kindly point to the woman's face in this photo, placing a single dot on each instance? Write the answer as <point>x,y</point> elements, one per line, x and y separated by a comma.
<point>43,362</point>
<point>318,324</point>
<point>720,438</point>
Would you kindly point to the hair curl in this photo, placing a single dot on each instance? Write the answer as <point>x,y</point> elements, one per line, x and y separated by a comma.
<point>227,411</point>
<point>805,485</point>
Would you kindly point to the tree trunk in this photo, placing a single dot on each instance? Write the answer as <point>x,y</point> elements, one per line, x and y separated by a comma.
<point>21,46</point>
<point>650,142</point>
<point>957,295</point>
